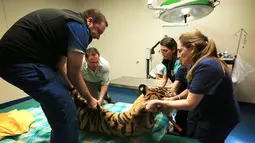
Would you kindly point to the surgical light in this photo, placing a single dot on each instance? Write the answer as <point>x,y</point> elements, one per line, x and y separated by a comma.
<point>176,11</point>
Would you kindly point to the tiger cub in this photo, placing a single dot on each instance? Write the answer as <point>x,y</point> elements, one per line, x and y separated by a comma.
<point>133,122</point>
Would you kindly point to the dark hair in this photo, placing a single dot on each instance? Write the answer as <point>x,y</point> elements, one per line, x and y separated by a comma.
<point>97,16</point>
<point>171,44</point>
<point>91,52</point>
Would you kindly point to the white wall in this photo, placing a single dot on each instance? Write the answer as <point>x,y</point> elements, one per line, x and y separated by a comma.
<point>3,26</point>
<point>13,10</point>
<point>132,29</point>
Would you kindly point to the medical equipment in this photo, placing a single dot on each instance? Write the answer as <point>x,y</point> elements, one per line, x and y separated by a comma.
<point>176,11</point>
<point>241,69</point>
<point>242,33</point>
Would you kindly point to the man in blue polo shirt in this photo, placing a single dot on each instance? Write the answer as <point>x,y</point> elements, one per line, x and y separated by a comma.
<point>42,55</point>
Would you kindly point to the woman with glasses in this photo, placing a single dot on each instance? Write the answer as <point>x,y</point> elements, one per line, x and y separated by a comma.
<point>214,110</point>
<point>176,74</point>
<point>168,49</point>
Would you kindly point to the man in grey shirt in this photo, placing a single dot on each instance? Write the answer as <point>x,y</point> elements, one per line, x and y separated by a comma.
<point>95,72</point>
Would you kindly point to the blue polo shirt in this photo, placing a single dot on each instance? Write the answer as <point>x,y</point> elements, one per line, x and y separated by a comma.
<point>79,37</point>
<point>219,104</point>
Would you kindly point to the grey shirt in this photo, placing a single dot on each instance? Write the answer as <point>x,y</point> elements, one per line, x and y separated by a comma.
<point>101,74</point>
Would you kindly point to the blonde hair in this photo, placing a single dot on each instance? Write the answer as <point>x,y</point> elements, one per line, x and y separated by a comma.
<point>204,47</point>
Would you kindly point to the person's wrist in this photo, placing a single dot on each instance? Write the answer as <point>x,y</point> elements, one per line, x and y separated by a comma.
<point>71,89</point>
<point>175,98</point>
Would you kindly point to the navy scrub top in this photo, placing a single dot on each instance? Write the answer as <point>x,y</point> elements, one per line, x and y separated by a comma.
<point>181,76</point>
<point>219,105</point>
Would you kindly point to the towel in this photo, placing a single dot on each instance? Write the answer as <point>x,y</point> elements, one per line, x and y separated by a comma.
<point>15,123</point>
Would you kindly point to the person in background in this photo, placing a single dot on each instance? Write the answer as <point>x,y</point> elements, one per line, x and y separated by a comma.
<point>213,108</point>
<point>158,72</point>
<point>42,54</point>
<point>95,72</point>
<point>168,49</point>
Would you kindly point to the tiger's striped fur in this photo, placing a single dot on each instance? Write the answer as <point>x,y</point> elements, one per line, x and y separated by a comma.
<point>129,123</point>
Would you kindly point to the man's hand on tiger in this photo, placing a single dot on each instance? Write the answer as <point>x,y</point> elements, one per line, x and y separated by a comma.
<point>100,101</point>
<point>92,103</point>
<point>74,92</point>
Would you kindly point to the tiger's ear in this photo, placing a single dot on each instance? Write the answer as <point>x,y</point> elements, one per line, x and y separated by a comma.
<point>143,88</point>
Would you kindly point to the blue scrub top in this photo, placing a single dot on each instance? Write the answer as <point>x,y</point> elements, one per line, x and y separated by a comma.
<point>181,77</point>
<point>219,104</point>
<point>171,68</point>
<point>79,37</point>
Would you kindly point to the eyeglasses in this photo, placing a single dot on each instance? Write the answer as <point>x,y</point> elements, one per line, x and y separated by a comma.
<point>163,51</point>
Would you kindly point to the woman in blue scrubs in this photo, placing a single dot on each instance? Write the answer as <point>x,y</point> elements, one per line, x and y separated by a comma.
<point>214,111</point>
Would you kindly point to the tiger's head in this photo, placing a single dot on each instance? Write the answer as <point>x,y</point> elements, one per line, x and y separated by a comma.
<point>155,93</point>
<point>147,94</point>
<point>145,119</point>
